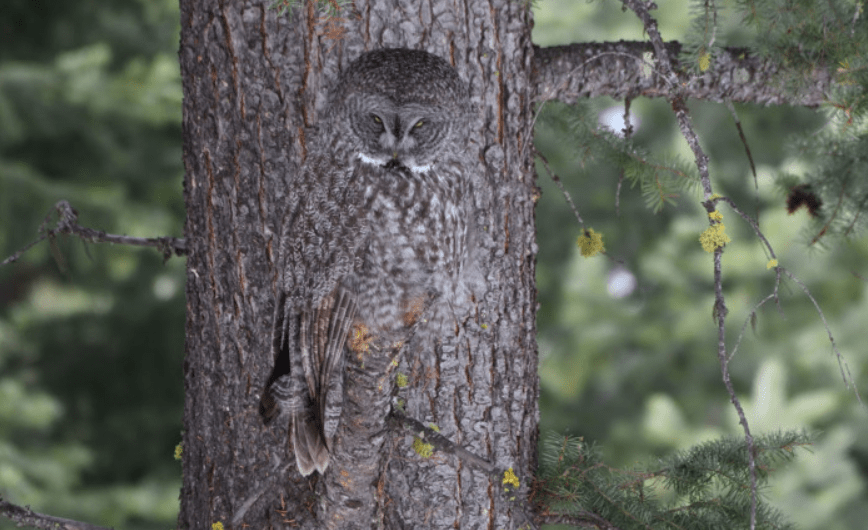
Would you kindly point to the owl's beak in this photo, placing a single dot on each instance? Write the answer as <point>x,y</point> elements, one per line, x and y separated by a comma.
<point>395,155</point>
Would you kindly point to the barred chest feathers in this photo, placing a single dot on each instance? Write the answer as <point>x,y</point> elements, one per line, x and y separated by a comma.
<point>417,238</point>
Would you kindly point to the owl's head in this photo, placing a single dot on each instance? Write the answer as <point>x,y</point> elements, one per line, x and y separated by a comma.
<point>403,107</point>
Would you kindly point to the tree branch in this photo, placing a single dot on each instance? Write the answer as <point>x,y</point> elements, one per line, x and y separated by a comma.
<point>623,70</point>
<point>666,66</point>
<point>67,223</point>
<point>444,444</point>
<point>27,517</point>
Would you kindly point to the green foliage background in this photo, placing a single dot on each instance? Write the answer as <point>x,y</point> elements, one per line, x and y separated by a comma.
<point>639,375</point>
<point>91,388</point>
<point>90,356</point>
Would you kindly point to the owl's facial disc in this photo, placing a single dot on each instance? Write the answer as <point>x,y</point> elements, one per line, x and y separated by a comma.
<point>406,137</point>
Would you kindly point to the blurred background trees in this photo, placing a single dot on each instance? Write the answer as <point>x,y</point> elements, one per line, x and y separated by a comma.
<point>91,352</point>
<point>90,355</point>
<point>628,349</point>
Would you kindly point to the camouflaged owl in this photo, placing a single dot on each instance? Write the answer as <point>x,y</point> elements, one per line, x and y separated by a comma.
<point>377,234</point>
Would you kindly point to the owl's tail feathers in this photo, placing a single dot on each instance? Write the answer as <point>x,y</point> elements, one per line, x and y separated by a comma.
<point>311,453</point>
<point>308,441</point>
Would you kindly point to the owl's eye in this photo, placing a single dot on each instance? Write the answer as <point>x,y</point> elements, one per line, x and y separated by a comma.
<point>376,119</point>
<point>419,123</point>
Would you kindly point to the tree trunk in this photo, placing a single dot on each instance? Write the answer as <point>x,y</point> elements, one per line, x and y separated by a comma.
<point>253,83</point>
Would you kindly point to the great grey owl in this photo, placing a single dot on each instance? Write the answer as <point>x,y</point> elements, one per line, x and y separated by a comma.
<point>377,234</point>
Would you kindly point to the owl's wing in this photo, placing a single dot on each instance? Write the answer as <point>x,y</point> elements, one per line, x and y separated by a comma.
<point>340,319</point>
<point>326,335</point>
<point>322,335</point>
<point>319,242</point>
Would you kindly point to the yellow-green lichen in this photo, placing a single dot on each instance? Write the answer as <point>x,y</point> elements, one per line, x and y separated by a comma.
<point>510,479</point>
<point>704,60</point>
<point>590,243</point>
<point>425,450</point>
<point>714,237</point>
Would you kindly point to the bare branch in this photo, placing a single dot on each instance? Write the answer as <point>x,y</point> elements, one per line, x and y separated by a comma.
<point>720,314</point>
<point>676,95</point>
<point>750,220</point>
<point>444,444</point>
<point>617,69</point>
<point>842,363</point>
<point>67,223</point>
<point>557,180</point>
<point>27,517</point>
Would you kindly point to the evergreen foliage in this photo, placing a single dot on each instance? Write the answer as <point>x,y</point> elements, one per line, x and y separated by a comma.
<point>602,353</point>
<point>90,352</point>
<point>706,487</point>
<point>90,359</point>
<point>806,37</point>
<point>661,177</point>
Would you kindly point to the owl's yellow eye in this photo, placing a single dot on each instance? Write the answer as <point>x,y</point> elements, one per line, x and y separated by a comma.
<point>376,119</point>
<point>419,124</point>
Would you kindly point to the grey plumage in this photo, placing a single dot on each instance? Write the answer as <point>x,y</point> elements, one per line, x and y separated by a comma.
<point>377,236</point>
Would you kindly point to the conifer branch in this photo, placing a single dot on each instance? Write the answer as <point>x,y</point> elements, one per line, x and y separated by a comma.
<point>677,98</point>
<point>617,69</point>
<point>24,516</point>
<point>709,484</point>
<point>67,223</point>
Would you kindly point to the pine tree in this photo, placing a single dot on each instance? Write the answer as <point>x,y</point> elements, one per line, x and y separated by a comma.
<point>614,364</point>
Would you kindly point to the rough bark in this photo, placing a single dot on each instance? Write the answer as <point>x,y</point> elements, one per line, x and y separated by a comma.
<point>625,70</point>
<point>253,82</point>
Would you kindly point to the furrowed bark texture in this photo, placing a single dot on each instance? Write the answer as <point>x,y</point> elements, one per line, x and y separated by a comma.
<point>253,82</point>
<point>624,70</point>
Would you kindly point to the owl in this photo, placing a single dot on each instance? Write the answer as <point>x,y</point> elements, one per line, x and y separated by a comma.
<point>376,236</point>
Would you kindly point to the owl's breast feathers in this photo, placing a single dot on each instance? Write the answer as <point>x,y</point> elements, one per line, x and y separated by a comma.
<point>416,235</point>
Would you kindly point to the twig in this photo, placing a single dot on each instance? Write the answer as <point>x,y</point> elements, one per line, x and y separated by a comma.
<point>842,363</point>
<point>738,127</point>
<point>560,184</point>
<point>720,314</point>
<point>67,223</point>
<point>750,317</point>
<point>743,139</point>
<point>444,444</point>
<point>677,99</point>
<point>24,516</point>
<point>675,96</point>
<point>628,134</point>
